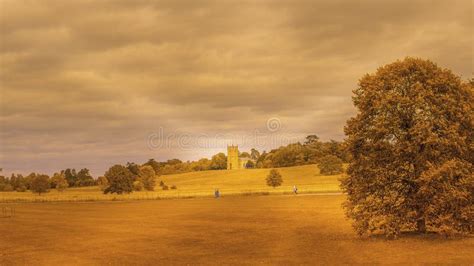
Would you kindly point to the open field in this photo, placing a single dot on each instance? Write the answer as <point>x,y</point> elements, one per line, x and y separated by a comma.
<point>280,229</point>
<point>201,184</point>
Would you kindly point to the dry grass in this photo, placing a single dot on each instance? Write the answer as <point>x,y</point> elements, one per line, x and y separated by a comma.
<point>200,184</point>
<point>281,229</point>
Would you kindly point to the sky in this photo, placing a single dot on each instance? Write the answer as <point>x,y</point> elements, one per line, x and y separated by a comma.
<point>90,84</point>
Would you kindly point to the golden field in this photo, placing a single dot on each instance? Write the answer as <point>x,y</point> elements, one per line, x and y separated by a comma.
<point>276,229</point>
<point>200,184</point>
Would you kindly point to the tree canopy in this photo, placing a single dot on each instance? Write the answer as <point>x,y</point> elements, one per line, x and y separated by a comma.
<point>413,129</point>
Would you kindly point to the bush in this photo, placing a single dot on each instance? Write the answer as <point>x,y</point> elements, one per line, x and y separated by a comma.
<point>330,165</point>
<point>173,187</point>
<point>274,178</point>
<point>162,183</point>
<point>165,187</point>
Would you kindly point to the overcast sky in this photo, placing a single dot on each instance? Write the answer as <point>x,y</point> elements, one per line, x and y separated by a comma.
<point>95,83</point>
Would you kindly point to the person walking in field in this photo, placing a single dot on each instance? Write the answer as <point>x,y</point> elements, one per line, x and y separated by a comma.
<point>295,189</point>
<point>217,194</point>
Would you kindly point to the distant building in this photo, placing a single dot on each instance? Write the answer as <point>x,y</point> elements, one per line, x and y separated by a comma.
<point>234,160</point>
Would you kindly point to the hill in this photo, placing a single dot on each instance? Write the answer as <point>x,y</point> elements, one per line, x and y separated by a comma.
<point>200,184</point>
<point>245,181</point>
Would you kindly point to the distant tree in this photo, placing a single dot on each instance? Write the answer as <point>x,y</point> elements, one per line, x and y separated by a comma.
<point>291,155</point>
<point>154,164</point>
<point>147,177</point>
<point>218,161</point>
<point>70,175</point>
<point>245,154</point>
<point>59,181</point>
<point>120,180</point>
<point>274,178</point>
<point>102,182</point>
<point>411,144</point>
<point>40,184</point>
<point>201,165</point>
<point>330,165</point>
<point>20,184</point>
<point>134,168</point>
<point>8,187</point>
<point>174,162</point>
<point>138,185</point>
<point>314,148</point>
<point>250,164</point>
<point>254,154</point>
<point>84,178</point>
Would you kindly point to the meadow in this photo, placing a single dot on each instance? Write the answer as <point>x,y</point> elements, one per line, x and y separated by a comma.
<point>275,229</point>
<point>200,184</point>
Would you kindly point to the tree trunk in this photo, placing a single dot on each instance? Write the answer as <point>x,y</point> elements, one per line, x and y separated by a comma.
<point>421,225</point>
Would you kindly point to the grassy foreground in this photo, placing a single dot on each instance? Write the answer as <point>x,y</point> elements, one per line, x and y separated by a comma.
<point>200,184</point>
<point>280,229</point>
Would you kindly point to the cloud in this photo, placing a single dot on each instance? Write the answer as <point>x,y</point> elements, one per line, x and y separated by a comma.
<point>84,83</point>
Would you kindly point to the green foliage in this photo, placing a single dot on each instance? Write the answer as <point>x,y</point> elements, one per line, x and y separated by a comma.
<point>411,144</point>
<point>147,177</point>
<point>154,164</point>
<point>274,178</point>
<point>447,194</point>
<point>59,181</point>
<point>40,184</point>
<point>138,185</point>
<point>84,179</point>
<point>134,168</point>
<point>102,182</point>
<point>218,161</point>
<point>120,180</point>
<point>330,165</point>
<point>291,155</point>
<point>250,164</point>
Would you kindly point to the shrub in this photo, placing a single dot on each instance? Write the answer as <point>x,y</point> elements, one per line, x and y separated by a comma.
<point>165,187</point>
<point>274,178</point>
<point>173,187</point>
<point>330,165</point>
<point>162,183</point>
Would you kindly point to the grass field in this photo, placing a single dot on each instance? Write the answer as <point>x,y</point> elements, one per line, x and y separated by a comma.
<point>277,229</point>
<point>200,184</point>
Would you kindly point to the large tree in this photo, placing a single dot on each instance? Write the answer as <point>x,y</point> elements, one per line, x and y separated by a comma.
<point>120,180</point>
<point>413,130</point>
<point>40,184</point>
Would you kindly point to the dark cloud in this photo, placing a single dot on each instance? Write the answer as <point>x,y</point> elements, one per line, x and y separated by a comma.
<point>85,83</point>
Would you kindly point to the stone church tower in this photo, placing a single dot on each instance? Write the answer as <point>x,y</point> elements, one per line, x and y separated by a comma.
<point>233,161</point>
